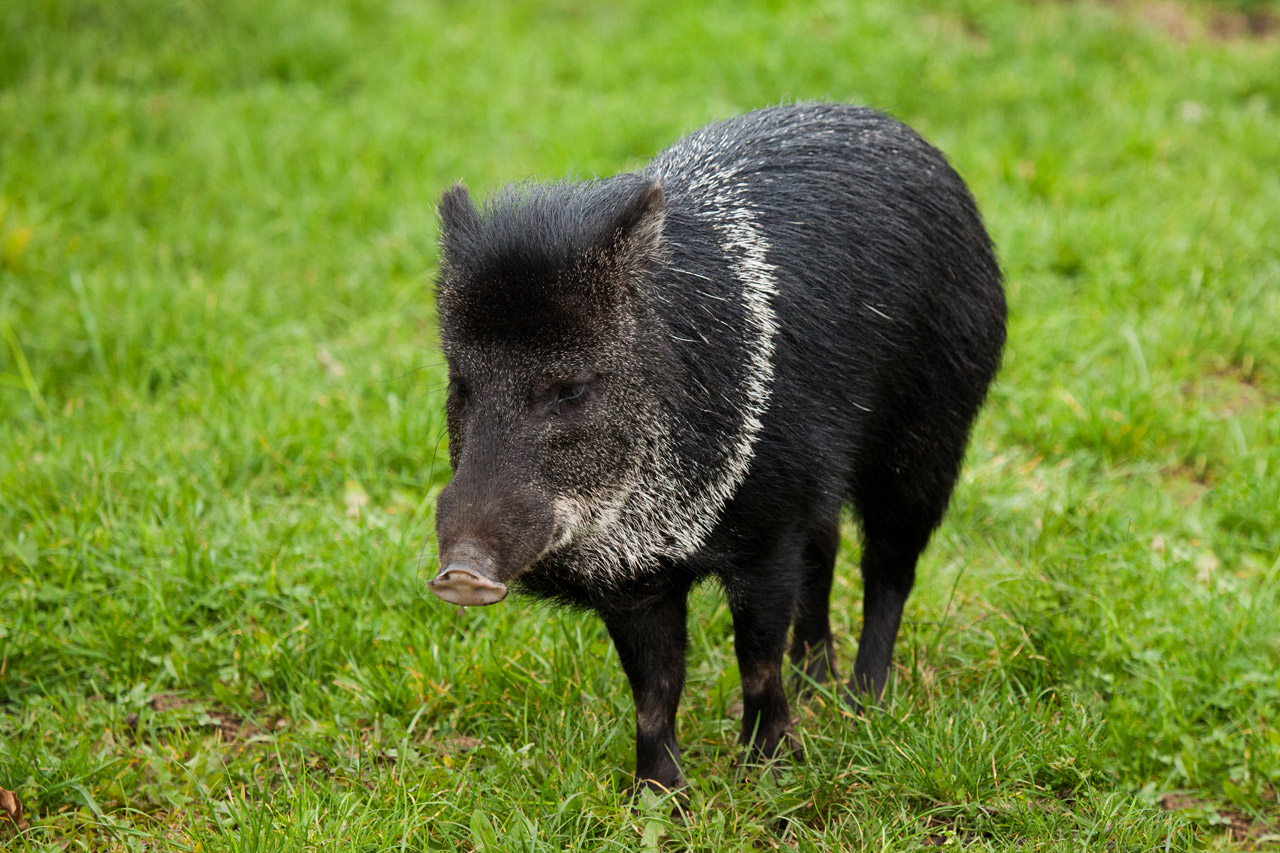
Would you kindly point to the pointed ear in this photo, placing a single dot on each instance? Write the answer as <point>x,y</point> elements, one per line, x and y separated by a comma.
<point>636,235</point>
<point>458,213</point>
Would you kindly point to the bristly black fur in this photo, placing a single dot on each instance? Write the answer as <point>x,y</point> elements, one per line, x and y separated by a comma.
<point>687,372</point>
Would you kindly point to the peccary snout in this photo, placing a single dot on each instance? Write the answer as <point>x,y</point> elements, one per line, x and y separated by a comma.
<point>489,532</point>
<point>467,578</point>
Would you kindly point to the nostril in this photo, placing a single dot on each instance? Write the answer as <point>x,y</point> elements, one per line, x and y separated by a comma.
<point>463,580</point>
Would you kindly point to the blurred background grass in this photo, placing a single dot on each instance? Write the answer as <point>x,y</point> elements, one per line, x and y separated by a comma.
<point>221,431</point>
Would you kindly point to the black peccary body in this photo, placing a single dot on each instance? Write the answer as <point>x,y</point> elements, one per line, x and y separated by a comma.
<point>688,372</point>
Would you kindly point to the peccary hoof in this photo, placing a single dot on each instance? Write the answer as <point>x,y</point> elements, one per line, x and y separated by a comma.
<point>862,703</point>
<point>774,752</point>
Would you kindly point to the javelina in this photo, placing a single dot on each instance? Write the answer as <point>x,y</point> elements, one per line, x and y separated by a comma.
<point>687,372</point>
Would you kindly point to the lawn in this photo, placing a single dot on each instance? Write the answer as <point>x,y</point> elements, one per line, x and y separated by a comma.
<point>221,432</point>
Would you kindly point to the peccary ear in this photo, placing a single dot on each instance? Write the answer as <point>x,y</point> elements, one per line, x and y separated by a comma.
<point>457,212</point>
<point>637,227</point>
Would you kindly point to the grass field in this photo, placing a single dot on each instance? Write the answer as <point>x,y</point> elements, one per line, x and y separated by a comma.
<point>221,432</point>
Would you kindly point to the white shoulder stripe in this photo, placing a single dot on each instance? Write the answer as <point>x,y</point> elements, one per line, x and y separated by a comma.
<point>747,249</point>
<point>666,509</point>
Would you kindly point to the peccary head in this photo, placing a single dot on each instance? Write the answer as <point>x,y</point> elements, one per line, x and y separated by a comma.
<point>550,349</point>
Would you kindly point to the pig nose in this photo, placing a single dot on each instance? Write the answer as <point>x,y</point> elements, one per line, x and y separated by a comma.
<point>464,580</point>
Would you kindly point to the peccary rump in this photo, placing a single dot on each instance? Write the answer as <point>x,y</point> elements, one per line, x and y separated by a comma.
<point>688,371</point>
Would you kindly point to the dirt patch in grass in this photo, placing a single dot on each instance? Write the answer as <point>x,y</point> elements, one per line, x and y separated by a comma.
<point>1255,24</point>
<point>944,831</point>
<point>1231,391</point>
<point>1241,828</point>
<point>184,710</point>
<point>1180,23</point>
<point>1188,483</point>
<point>958,28</point>
<point>456,744</point>
<point>1230,395</point>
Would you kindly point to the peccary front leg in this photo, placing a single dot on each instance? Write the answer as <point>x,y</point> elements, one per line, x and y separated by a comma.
<point>651,640</point>
<point>761,617</point>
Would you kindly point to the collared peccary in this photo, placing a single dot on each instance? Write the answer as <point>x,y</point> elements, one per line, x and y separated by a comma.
<point>688,371</point>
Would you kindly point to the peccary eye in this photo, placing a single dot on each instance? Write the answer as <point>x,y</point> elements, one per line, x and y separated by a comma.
<point>570,392</point>
<point>568,395</point>
<point>459,389</point>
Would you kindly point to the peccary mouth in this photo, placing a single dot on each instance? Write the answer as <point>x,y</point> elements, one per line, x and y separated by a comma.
<point>464,581</point>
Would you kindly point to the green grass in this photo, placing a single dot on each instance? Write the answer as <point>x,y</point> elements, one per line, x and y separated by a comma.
<point>221,433</point>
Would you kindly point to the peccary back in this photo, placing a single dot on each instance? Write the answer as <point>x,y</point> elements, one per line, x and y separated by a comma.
<point>688,371</point>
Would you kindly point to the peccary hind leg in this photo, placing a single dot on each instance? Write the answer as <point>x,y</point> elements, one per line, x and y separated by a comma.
<point>901,500</point>
<point>651,641</point>
<point>812,648</point>
<point>888,572</point>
